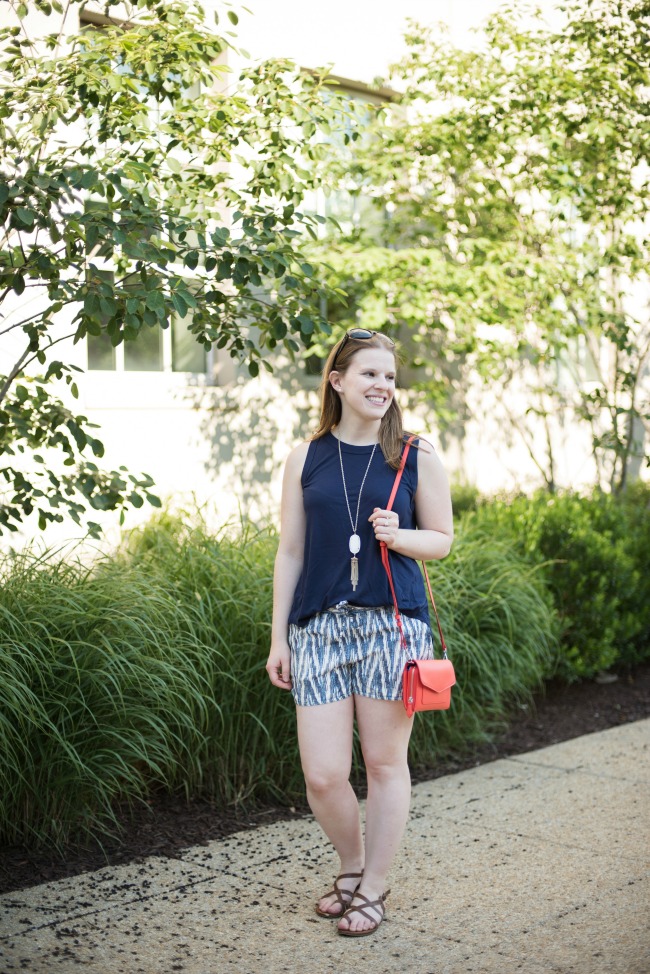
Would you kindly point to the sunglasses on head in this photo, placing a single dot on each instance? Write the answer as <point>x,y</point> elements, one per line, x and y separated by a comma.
<point>359,334</point>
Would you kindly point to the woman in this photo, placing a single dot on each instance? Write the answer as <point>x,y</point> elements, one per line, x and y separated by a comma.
<point>334,639</point>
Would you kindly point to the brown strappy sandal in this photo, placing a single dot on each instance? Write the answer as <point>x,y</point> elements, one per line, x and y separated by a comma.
<point>377,905</point>
<point>343,896</point>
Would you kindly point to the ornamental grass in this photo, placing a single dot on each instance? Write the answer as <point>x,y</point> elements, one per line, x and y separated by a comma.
<point>145,672</point>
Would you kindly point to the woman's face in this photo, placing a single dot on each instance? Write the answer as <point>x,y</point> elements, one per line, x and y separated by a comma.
<point>367,387</point>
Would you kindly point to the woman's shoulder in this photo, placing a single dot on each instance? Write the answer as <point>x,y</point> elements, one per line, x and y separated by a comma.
<point>298,455</point>
<point>430,466</point>
<point>302,456</point>
<point>426,456</point>
<point>422,441</point>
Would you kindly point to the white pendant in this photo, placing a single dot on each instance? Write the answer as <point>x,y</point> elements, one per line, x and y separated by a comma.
<point>355,544</point>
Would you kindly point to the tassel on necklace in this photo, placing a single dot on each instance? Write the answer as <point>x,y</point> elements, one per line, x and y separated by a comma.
<point>354,572</point>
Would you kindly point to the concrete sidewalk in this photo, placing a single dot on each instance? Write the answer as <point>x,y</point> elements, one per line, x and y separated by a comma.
<point>536,863</point>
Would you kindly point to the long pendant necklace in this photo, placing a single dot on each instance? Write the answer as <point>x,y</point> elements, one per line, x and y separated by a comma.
<point>355,541</point>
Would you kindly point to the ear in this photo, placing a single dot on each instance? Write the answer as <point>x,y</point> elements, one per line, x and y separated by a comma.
<point>335,381</point>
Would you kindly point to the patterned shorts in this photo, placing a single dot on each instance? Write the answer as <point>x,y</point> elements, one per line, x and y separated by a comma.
<point>352,650</point>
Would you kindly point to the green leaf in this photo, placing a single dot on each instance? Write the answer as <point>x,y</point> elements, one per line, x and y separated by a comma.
<point>89,179</point>
<point>18,283</point>
<point>179,304</point>
<point>25,215</point>
<point>108,306</point>
<point>155,300</point>
<point>279,329</point>
<point>306,324</point>
<point>92,236</point>
<point>232,17</point>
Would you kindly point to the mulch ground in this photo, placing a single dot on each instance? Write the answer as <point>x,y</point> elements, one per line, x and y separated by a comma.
<point>169,824</point>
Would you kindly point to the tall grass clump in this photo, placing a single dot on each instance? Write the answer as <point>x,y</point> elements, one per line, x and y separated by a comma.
<point>146,672</point>
<point>501,631</point>
<point>227,580</point>
<point>142,672</point>
<point>100,697</point>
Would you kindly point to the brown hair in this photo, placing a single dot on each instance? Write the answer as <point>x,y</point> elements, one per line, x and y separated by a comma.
<point>391,430</point>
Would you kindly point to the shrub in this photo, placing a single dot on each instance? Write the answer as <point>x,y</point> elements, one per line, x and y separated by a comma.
<point>464,497</point>
<point>636,600</point>
<point>595,554</point>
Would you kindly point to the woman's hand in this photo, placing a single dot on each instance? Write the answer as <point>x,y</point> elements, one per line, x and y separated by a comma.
<point>279,666</point>
<point>385,525</point>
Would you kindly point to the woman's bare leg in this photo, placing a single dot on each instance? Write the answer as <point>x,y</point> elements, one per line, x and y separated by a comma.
<point>384,731</point>
<point>325,741</point>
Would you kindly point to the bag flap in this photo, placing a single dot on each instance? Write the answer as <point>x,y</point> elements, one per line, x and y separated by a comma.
<point>436,674</point>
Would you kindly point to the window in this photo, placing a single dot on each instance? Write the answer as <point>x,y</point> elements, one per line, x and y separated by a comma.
<point>145,354</point>
<point>187,354</point>
<point>156,349</point>
<point>173,349</point>
<point>101,354</point>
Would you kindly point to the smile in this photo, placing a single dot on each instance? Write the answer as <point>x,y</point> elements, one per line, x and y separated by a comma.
<point>376,400</point>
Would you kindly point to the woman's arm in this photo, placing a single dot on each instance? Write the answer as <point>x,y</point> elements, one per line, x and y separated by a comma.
<point>433,514</point>
<point>288,565</point>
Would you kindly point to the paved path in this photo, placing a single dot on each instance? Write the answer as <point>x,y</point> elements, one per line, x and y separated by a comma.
<point>536,863</point>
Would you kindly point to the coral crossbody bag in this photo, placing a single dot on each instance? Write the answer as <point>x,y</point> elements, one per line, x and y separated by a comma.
<point>426,683</point>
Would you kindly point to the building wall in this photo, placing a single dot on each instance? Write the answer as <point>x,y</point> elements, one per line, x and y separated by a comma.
<point>221,443</point>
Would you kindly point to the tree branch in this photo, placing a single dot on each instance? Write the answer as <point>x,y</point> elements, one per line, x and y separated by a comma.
<point>525,437</point>
<point>12,375</point>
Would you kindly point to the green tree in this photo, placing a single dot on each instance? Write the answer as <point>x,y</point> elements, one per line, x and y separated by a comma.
<point>515,182</point>
<point>128,146</point>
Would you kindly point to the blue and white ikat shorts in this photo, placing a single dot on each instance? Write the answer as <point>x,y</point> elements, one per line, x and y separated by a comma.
<point>353,650</point>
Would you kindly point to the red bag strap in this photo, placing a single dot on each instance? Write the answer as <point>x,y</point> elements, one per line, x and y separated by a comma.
<point>386,562</point>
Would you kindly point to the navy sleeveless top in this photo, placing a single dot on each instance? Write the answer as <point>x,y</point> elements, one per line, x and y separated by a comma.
<point>325,576</point>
